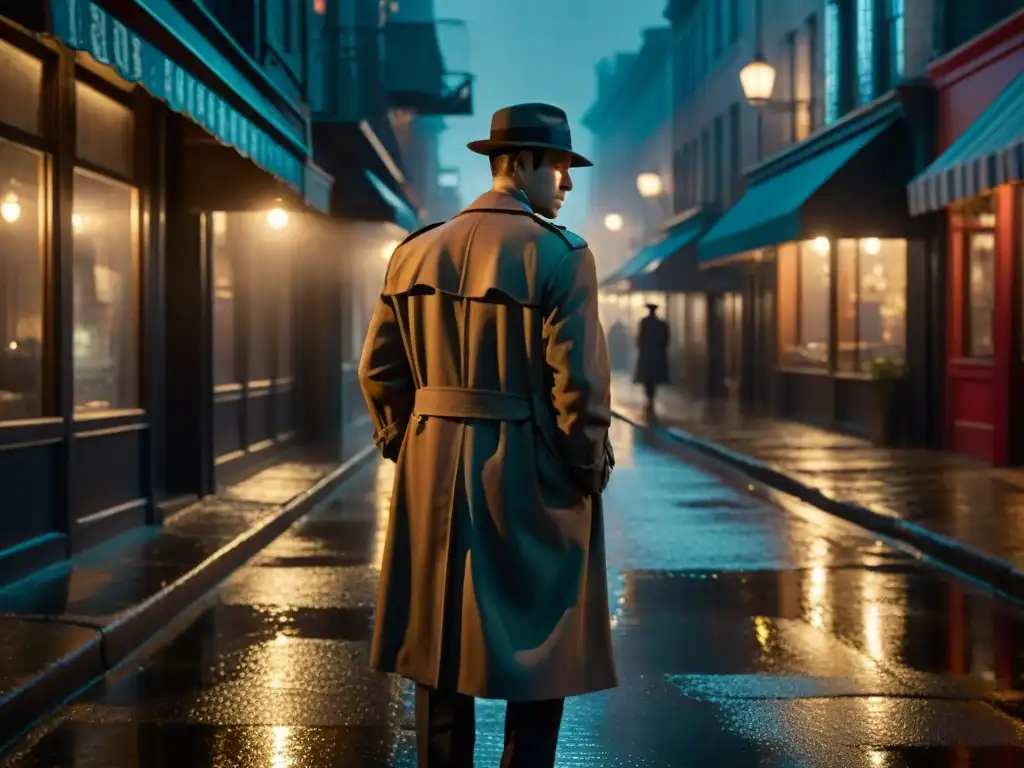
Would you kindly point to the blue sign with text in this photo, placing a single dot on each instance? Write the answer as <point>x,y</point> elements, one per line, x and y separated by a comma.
<point>85,26</point>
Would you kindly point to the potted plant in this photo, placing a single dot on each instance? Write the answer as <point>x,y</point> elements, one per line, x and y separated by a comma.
<point>887,407</point>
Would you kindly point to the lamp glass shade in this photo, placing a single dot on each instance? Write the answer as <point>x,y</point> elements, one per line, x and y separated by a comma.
<point>648,184</point>
<point>613,222</point>
<point>758,80</point>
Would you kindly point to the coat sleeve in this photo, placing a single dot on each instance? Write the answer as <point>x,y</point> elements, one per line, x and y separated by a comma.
<point>577,355</point>
<point>386,379</point>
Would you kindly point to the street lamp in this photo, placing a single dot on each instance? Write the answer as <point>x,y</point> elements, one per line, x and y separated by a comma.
<point>758,81</point>
<point>277,218</point>
<point>613,222</point>
<point>388,249</point>
<point>649,185</point>
<point>10,209</point>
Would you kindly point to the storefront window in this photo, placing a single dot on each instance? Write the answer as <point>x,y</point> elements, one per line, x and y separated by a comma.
<point>881,301</point>
<point>846,305</point>
<point>285,363</point>
<point>224,371</point>
<point>871,289</point>
<point>105,312</point>
<point>814,302</point>
<point>980,267</point>
<point>22,218</point>
<point>263,283</point>
<point>787,288</point>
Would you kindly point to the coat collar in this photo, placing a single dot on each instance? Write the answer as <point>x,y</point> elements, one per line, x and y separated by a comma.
<point>501,201</point>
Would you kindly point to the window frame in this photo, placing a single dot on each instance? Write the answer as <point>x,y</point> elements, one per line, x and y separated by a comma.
<point>48,427</point>
<point>971,226</point>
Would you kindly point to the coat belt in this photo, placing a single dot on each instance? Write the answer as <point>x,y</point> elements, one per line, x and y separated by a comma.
<point>461,403</point>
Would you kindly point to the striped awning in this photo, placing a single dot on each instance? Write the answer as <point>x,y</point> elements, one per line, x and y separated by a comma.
<point>989,153</point>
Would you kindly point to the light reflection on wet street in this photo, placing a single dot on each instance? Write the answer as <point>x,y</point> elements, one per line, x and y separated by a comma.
<point>746,634</point>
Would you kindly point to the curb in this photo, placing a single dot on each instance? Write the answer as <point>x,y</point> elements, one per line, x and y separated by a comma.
<point>22,707</point>
<point>995,573</point>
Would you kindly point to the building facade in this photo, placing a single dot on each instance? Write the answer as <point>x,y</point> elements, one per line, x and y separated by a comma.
<point>974,186</point>
<point>174,291</point>
<point>844,289</point>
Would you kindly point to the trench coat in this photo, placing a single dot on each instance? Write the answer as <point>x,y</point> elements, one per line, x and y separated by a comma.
<point>486,374</point>
<point>652,352</point>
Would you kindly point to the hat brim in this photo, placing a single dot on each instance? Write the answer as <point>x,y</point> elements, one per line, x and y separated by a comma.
<point>488,147</point>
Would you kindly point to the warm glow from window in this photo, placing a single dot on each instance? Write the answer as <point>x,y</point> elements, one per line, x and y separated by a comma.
<point>821,245</point>
<point>319,7</point>
<point>277,218</point>
<point>388,249</point>
<point>10,209</point>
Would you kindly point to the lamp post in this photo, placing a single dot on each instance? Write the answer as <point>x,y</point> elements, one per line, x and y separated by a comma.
<point>757,79</point>
<point>651,187</point>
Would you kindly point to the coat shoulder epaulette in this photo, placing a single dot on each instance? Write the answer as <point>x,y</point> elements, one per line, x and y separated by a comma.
<point>574,241</point>
<point>420,231</point>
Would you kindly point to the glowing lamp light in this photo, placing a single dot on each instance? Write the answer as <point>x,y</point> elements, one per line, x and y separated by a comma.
<point>77,221</point>
<point>758,80</point>
<point>388,249</point>
<point>821,245</point>
<point>10,209</point>
<point>872,246</point>
<point>613,222</point>
<point>648,185</point>
<point>13,346</point>
<point>277,218</point>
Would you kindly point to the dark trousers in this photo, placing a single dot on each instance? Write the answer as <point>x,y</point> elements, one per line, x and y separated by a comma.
<point>446,731</point>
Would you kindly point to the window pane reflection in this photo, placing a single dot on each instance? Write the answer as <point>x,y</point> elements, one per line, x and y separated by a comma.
<point>846,310</point>
<point>815,279</point>
<point>787,288</point>
<point>980,293</point>
<point>883,301</point>
<point>22,217</point>
<point>105,315</point>
<point>224,371</point>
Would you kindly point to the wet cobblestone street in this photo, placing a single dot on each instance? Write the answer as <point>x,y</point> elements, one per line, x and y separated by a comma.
<point>746,635</point>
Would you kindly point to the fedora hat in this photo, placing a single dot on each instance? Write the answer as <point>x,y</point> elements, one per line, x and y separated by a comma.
<point>539,126</point>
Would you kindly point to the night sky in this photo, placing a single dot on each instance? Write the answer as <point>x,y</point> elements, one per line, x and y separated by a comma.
<point>538,50</point>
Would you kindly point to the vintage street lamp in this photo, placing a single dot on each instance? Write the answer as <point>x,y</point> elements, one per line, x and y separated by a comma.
<point>613,222</point>
<point>649,185</point>
<point>758,81</point>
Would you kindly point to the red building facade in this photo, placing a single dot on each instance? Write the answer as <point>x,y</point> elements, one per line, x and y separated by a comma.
<point>976,181</point>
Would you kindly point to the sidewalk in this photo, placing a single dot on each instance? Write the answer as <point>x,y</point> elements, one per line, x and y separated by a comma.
<point>964,513</point>
<point>64,627</point>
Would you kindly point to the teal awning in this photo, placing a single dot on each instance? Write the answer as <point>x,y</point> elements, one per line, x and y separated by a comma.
<point>405,216</point>
<point>770,212</point>
<point>989,153</point>
<point>648,260</point>
<point>87,26</point>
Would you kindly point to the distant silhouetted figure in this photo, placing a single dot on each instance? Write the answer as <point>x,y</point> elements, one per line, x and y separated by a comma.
<point>618,346</point>
<point>652,354</point>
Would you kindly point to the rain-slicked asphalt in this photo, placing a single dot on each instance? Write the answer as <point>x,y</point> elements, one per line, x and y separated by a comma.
<point>747,634</point>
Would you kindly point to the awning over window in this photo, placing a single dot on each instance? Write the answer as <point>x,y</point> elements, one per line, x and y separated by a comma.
<point>404,215</point>
<point>989,153</point>
<point>648,261</point>
<point>775,208</point>
<point>87,26</point>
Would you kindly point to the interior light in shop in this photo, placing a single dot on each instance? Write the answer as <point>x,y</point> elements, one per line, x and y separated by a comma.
<point>613,222</point>
<point>388,249</point>
<point>77,221</point>
<point>872,246</point>
<point>13,346</point>
<point>277,218</point>
<point>821,245</point>
<point>10,208</point>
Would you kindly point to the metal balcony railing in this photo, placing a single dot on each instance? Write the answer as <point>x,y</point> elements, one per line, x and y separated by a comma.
<point>359,72</point>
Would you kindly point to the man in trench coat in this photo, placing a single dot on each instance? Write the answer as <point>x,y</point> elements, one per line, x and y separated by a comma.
<point>486,373</point>
<point>652,355</point>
